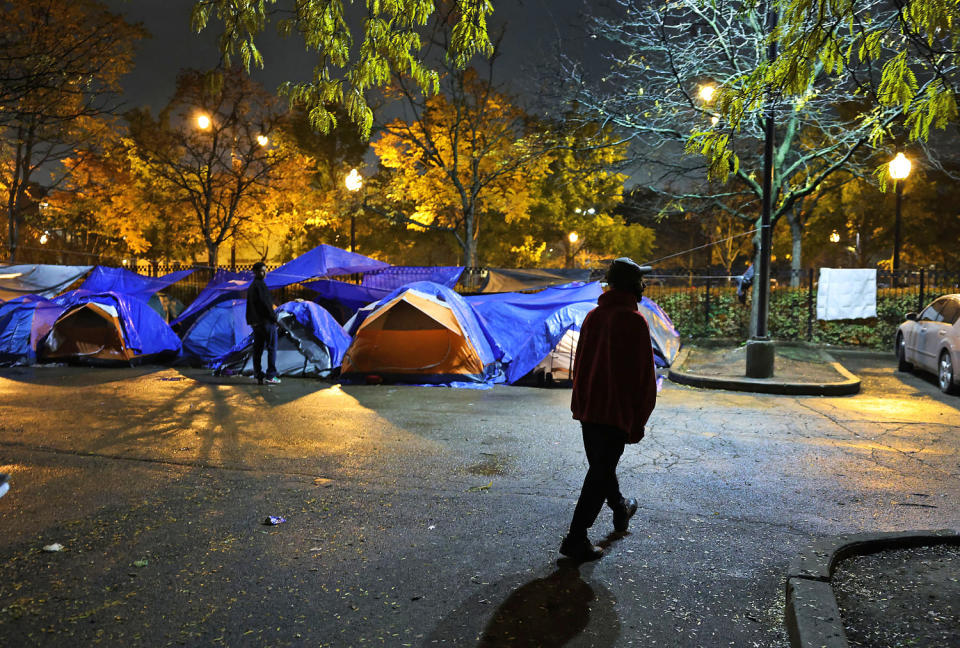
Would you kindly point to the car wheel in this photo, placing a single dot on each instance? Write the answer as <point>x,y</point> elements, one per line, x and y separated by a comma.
<point>945,373</point>
<point>901,350</point>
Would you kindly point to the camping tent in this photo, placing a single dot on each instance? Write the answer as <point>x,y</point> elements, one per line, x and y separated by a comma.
<point>107,327</point>
<point>343,299</point>
<point>23,323</point>
<point>311,343</point>
<point>541,329</point>
<point>422,333</point>
<point>216,330</point>
<point>224,286</point>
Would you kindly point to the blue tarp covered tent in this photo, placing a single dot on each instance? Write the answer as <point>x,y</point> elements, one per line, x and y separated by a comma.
<point>528,326</point>
<point>391,278</point>
<point>422,333</point>
<point>107,326</point>
<point>120,280</point>
<point>23,323</point>
<point>311,343</point>
<point>216,330</point>
<point>225,285</point>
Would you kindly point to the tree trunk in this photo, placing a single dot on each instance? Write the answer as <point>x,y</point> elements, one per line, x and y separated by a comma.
<point>213,252</point>
<point>469,240</point>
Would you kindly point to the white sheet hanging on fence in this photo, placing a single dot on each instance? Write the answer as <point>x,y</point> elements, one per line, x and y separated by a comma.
<point>846,293</point>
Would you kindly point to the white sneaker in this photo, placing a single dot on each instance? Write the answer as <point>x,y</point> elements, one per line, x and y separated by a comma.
<point>272,381</point>
<point>4,484</point>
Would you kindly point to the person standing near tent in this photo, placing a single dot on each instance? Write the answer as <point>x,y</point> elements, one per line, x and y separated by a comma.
<point>263,320</point>
<point>614,393</point>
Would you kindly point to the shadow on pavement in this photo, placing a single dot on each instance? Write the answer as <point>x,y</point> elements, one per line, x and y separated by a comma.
<point>76,375</point>
<point>549,611</point>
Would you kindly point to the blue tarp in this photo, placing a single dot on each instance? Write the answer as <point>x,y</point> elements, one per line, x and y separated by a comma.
<point>663,335</point>
<point>120,280</point>
<point>475,330</point>
<point>395,276</point>
<point>144,331</point>
<point>23,322</point>
<point>224,285</point>
<point>528,326</point>
<point>352,296</point>
<point>321,261</point>
<point>216,330</point>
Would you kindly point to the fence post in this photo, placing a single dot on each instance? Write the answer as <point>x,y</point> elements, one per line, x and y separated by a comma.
<point>706,305</point>
<point>920,297</point>
<point>810,305</point>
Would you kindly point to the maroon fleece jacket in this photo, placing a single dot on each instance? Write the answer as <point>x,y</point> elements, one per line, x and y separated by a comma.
<point>614,381</point>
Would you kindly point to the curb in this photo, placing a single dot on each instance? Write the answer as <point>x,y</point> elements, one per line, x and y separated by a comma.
<point>812,614</point>
<point>849,385</point>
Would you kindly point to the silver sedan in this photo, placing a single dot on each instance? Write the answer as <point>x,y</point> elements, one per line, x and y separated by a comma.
<point>931,341</point>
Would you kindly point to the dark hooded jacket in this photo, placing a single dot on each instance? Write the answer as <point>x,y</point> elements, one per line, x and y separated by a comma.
<point>614,380</point>
<point>259,304</point>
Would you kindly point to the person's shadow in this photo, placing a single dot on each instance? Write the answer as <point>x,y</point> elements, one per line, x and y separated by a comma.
<point>550,612</point>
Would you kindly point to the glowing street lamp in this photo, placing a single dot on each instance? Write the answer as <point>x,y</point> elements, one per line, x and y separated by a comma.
<point>573,237</point>
<point>262,140</point>
<point>706,92</point>
<point>835,237</point>
<point>203,121</point>
<point>353,181</point>
<point>899,170</point>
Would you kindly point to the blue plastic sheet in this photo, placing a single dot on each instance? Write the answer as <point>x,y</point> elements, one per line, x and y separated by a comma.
<point>225,285</point>
<point>321,261</point>
<point>528,326</point>
<point>120,280</point>
<point>23,322</point>
<point>351,296</point>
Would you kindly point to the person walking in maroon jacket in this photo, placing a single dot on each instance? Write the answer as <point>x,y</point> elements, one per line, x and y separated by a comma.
<point>614,393</point>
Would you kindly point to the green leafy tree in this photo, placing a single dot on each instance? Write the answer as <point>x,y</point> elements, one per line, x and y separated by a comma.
<point>351,60</point>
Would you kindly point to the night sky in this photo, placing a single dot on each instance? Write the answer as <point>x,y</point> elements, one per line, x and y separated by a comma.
<point>532,28</point>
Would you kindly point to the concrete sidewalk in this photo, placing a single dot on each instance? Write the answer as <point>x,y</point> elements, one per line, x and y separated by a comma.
<point>887,589</point>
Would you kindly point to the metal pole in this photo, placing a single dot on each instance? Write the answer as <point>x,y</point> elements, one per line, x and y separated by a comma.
<point>920,300</point>
<point>760,351</point>
<point>896,227</point>
<point>706,305</point>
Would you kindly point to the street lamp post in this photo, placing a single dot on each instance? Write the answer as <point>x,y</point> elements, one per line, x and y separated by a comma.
<point>572,239</point>
<point>899,170</point>
<point>353,181</point>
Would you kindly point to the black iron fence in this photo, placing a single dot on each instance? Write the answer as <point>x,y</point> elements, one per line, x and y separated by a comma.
<point>707,305</point>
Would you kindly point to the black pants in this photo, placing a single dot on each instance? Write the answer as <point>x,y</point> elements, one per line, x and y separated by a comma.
<point>604,446</point>
<point>265,335</point>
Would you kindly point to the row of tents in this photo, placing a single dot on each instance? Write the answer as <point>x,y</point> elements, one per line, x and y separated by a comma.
<point>405,324</point>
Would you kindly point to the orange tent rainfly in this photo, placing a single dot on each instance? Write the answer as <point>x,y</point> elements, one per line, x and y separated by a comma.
<point>423,333</point>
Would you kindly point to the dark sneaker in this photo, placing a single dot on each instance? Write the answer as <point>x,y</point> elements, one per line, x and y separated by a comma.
<point>580,549</point>
<point>623,513</point>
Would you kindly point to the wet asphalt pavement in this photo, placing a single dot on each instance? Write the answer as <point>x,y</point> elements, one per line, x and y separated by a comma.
<point>432,516</point>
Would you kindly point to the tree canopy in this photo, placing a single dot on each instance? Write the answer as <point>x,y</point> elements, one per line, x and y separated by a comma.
<point>351,59</point>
